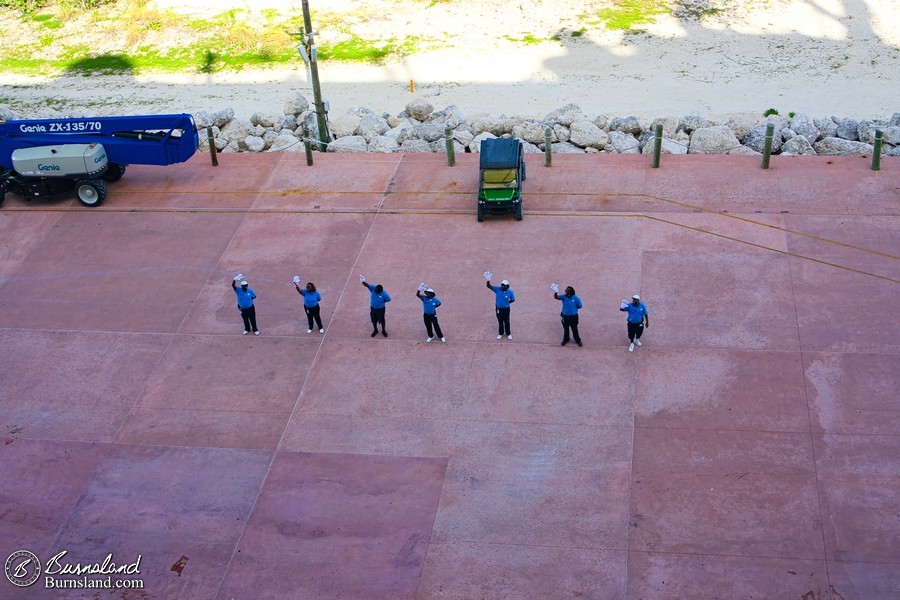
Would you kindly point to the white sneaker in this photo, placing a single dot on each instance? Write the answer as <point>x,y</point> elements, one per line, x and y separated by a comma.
<point>443,340</point>
<point>429,339</point>
<point>255,333</point>
<point>309,331</point>
<point>245,332</point>
<point>499,337</point>
<point>509,337</point>
<point>631,348</point>
<point>637,342</point>
<point>321,331</point>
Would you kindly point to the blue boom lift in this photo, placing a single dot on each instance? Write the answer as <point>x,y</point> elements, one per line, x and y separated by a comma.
<point>47,158</point>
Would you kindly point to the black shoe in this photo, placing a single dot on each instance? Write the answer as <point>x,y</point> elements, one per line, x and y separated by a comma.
<point>384,333</point>
<point>579,343</point>
<point>374,333</point>
<point>564,342</point>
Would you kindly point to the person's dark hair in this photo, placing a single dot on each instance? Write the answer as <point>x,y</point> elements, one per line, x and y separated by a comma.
<point>570,288</point>
<point>378,289</point>
<point>310,287</point>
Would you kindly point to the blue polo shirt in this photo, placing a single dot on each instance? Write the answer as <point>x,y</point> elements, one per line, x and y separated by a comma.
<point>635,313</point>
<point>377,300</point>
<point>503,298</point>
<point>430,304</point>
<point>571,305</point>
<point>245,299</point>
<point>310,299</point>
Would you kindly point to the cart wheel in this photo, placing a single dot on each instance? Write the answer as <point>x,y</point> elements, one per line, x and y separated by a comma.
<point>519,214</point>
<point>479,213</point>
<point>113,172</point>
<point>90,192</point>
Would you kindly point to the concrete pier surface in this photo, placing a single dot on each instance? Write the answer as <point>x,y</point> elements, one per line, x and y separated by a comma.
<point>748,449</point>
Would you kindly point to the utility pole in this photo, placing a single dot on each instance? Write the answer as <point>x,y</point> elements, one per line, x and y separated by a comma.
<point>310,44</point>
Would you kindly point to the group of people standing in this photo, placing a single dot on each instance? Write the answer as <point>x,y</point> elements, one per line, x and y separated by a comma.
<point>637,317</point>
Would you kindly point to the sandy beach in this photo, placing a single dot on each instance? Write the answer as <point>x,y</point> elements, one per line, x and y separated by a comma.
<point>829,57</point>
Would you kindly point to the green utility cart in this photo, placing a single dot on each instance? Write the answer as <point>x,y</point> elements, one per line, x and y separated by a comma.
<point>502,171</point>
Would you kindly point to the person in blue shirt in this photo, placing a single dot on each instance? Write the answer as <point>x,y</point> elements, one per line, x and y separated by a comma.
<point>637,318</point>
<point>569,315</point>
<point>430,302</point>
<point>311,299</point>
<point>377,299</point>
<point>504,296</point>
<point>245,297</point>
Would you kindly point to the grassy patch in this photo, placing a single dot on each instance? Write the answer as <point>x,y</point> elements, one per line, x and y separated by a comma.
<point>527,39</point>
<point>627,14</point>
<point>362,50</point>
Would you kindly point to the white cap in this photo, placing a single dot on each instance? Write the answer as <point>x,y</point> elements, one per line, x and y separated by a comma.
<point>429,290</point>
<point>244,282</point>
<point>504,282</point>
<point>636,297</point>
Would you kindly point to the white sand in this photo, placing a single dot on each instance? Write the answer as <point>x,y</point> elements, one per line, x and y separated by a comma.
<point>821,57</point>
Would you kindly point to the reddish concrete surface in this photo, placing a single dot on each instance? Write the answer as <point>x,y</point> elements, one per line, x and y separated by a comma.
<point>748,449</point>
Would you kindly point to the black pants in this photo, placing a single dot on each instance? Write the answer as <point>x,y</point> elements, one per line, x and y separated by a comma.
<point>635,330</point>
<point>503,321</point>
<point>313,313</point>
<point>570,321</point>
<point>431,321</point>
<point>249,316</point>
<point>377,315</point>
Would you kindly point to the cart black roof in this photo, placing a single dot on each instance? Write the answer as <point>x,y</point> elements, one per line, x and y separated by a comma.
<point>500,153</point>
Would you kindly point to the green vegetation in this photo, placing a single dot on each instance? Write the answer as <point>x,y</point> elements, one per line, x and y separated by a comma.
<point>527,39</point>
<point>626,14</point>
<point>362,50</point>
<point>770,112</point>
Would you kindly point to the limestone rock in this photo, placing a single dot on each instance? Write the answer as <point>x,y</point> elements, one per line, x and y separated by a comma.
<point>801,124</point>
<point>494,125</point>
<point>666,147</point>
<point>691,122</point>
<point>449,117</point>
<point>835,146</point>
<point>847,129</point>
<point>744,151</point>
<point>296,103</point>
<point>231,147</point>
<point>756,138</point>
<point>263,119</point>
<point>237,129</point>
<point>798,146</point>
<point>626,125</point>
<point>464,137</point>
<point>826,127</point>
<point>561,133</point>
<point>202,119</point>
<point>441,146</point>
<point>531,132</point>
<point>565,115</point>
<point>892,135</point>
<point>741,125</point>
<point>601,121</point>
<point>372,126</point>
<point>286,142</point>
<point>395,133</point>
<point>350,143</point>
<point>345,125</point>
<point>669,125</point>
<point>530,148</point>
<point>712,140</point>
<point>895,119</point>
<point>565,148</point>
<point>415,146</point>
<point>384,144</point>
<point>587,135</point>
<point>430,132</point>
<point>221,118</point>
<point>254,144</point>
<point>7,114</point>
<point>475,144</point>
<point>622,143</point>
<point>419,109</point>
